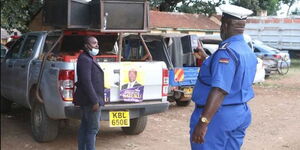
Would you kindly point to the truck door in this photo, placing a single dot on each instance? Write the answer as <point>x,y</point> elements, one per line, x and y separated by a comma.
<point>7,66</point>
<point>20,69</point>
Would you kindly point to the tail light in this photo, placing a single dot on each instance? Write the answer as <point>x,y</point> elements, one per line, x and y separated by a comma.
<point>277,56</point>
<point>165,82</point>
<point>66,84</point>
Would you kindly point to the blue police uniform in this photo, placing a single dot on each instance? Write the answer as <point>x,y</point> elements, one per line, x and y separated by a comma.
<point>231,68</point>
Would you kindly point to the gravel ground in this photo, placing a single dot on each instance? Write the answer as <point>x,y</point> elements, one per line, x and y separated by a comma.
<point>275,125</point>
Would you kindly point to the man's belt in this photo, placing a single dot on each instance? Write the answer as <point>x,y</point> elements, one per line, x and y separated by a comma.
<point>202,106</point>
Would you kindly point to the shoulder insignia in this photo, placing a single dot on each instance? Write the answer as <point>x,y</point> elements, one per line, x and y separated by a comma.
<point>224,60</point>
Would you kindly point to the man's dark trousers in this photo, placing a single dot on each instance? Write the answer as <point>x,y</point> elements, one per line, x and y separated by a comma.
<point>89,127</point>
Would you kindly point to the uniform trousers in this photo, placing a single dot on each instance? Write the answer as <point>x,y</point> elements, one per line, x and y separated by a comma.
<point>226,130</point>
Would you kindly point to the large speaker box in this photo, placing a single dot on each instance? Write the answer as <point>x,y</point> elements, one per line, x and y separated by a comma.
<point>106,15</point>
<point>67,13</point>
<point>120,15</point>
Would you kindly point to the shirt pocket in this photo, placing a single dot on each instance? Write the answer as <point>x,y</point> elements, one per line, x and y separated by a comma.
<point>205,75</point>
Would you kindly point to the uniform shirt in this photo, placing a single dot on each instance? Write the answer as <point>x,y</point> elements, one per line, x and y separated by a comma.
<point>231,68</point>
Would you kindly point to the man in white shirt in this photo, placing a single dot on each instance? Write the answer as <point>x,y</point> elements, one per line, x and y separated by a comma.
<point>132,74</point>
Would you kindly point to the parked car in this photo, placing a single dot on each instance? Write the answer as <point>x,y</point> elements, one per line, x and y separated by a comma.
<point>272,57</point>
<point>211,44</point>
<point>4,50</point>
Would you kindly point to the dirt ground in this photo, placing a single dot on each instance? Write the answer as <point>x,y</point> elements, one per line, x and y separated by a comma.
<point>275,125</point>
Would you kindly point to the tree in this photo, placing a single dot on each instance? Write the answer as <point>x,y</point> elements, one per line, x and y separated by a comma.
<point>16,14</point>
<point>196,6</point>
<point>272,6</point>
<point>289,3</point>
<point>164,5</point>
<point>296,11</point>
<point>187,6</point>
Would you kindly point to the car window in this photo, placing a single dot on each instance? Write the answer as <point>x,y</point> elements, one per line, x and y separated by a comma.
<point>27,50</point>
<point>49,42</point>
<point>13,53</point>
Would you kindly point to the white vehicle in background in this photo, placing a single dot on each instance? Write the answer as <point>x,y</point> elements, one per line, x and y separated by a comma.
<point>260,71</point>
<point>211,44</point>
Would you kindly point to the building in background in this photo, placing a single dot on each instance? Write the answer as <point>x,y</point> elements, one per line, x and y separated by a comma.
<point>174,22</point>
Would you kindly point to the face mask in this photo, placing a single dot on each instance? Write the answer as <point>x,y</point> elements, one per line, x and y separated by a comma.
<point>94,51</point>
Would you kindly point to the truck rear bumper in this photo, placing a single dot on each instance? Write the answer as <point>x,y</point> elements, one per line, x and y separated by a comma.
<point>136,109</point>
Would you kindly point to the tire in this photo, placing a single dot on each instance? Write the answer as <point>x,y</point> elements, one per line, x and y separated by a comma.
<point>43,128</point>
<point>5,105</point>
<point>137,126</point>
<point>179,102</point>
<point>183,103</point>
<point>283,68</point>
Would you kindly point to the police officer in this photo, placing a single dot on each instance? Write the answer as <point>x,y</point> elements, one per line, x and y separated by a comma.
<point>223,88</point>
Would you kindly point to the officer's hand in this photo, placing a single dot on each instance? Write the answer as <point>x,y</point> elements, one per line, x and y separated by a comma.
<point>96,107</point>
<point>199,133</point>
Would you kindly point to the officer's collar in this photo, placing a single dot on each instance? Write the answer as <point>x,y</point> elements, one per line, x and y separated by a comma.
<point>237,37</point>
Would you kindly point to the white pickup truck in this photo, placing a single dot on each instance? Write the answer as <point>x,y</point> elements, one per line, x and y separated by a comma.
<point>39,72</point>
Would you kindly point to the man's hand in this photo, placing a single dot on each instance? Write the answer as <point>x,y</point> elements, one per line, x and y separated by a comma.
<point>199,133</point>
<point>96,107</point>
<point>202,52</point>
<point>200,46</point>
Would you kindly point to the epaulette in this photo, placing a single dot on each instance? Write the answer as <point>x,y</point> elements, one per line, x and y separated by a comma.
<point>224,46</point>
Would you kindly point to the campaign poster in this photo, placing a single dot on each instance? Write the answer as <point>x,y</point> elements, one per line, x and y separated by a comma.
<point>107,79</point>
<point>131,82</point>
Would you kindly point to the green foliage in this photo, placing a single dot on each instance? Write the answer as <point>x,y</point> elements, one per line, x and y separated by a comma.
<point>16,14</point>
<point>289,3</point>
<point>187,6</point>
<point>272,6</point>
<point>296,12</point>
<point>164,5</point>
<point>196,6</point>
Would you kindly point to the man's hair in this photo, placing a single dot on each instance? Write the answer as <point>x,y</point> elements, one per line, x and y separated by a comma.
<point>132,70</point>
<point>87,39</point>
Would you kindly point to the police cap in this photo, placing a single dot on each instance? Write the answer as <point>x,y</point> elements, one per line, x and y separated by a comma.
<point>235,12</point>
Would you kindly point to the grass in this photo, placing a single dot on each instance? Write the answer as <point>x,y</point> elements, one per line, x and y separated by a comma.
<point>271,81</point>
<point>295,64</point>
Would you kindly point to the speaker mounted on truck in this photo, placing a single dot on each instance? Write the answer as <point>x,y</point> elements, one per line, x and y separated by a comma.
<point>103,15</point>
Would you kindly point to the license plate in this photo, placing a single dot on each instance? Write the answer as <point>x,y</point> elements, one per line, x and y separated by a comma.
<point>119,119</point>
<point>188,92</point>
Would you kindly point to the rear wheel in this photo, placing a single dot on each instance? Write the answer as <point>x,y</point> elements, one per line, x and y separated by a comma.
<point>137,126</point>
<point>181,100</point>
<point>283,67</point>
<point>5,105</point>
<point>43,128</point>
<point>183,103</point>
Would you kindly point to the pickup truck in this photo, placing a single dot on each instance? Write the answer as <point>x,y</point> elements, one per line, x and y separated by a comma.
<point>176,52</point>
<point>39,72</point>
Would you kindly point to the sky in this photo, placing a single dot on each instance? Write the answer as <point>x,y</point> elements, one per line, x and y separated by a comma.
<point>283,10</point>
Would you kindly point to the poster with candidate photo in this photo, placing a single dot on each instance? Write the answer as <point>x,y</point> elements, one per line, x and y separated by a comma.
<point>131,82</point>
<point>108,72</point>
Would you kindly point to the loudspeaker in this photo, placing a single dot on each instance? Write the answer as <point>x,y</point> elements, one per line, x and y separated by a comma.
<point>106,15</point>
<point>120,15</point>
<point>66,13</point>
